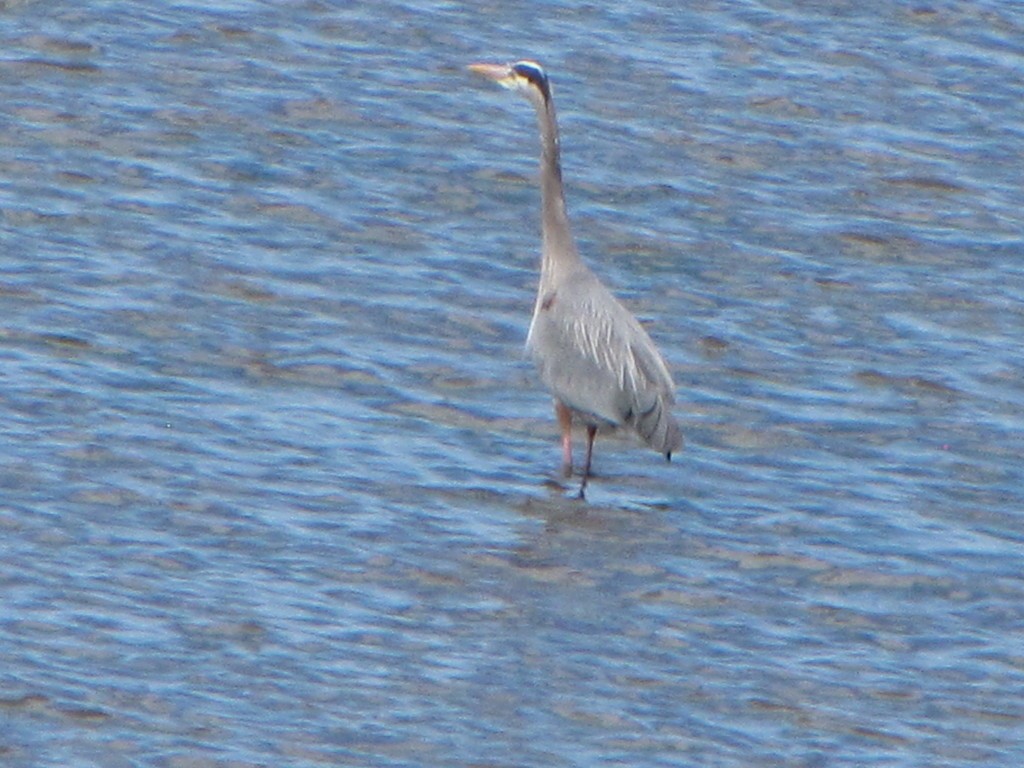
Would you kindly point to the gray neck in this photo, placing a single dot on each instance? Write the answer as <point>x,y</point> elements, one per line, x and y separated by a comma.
<point>558,251</point>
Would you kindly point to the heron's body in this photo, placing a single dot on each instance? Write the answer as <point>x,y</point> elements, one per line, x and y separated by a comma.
<point>591,353</point>
<point>598,361</point>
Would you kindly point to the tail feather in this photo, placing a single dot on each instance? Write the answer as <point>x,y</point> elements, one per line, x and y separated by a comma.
<point>658,427</point>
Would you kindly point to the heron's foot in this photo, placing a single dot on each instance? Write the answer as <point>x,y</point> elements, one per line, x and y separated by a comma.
<point>583,486</point>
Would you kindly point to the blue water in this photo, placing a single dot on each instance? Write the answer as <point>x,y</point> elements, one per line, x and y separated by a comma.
<point>279,487</point>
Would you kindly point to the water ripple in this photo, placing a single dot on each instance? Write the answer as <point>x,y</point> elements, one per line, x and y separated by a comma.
<point>281,488</point>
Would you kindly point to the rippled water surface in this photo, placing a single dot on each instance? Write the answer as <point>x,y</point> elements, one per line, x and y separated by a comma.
<point>279,487</point>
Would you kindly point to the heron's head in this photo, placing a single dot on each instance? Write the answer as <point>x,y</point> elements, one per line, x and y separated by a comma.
<point>526,77</point>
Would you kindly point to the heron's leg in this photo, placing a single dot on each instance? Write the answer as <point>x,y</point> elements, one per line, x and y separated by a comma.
<point>565,424</point>
<point>591,434</point>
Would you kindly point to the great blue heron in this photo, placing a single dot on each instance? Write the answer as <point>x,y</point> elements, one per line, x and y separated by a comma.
<point>592,354</point>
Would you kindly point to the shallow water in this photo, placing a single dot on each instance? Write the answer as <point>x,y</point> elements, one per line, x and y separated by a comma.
<point>280,487</point>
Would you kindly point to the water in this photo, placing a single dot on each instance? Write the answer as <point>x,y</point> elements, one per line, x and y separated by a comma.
<point>279,486</point>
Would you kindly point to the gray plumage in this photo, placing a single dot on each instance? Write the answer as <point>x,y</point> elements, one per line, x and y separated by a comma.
<point>591,353</point>
<point>595,357</point>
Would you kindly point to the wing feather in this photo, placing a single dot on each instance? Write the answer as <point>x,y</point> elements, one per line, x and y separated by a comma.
<point>596,358</point>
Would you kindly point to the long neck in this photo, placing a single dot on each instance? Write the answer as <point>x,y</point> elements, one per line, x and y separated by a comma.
<point>558,250</point>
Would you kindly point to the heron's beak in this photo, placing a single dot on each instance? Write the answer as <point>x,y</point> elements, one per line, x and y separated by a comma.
<point>495,72</point>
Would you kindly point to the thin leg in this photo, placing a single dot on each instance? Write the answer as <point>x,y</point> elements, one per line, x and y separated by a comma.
<point>565,424</point>
<point>591,434</point>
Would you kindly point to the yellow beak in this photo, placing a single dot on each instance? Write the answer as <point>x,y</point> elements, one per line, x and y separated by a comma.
<point>496,72</point>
